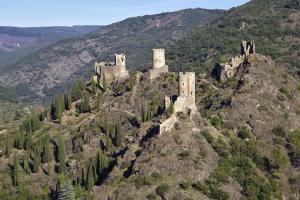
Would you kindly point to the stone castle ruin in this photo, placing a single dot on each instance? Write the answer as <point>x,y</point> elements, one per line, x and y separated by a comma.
<point>111,70</point>
<point>224,71</point>
<point>183,103</point>
<point>159,64</point>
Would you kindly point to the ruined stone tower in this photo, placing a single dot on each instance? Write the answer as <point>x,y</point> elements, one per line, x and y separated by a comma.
<point>247,48</point>
<point>111,70</point>
<point>158,63</point>
<point>158,58</point>
<point>120,59</point>
<point>187,85</point>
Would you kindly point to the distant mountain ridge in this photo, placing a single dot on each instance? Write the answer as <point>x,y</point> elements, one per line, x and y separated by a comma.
<point>55,67</point>
<point>16,38</point>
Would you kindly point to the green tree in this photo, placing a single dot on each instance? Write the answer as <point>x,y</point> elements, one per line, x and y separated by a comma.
<point>153,108</point>
<point>280,158</point>
<point>98,102</point>
<point>15,174</point>
<point>144,112</point>
<point>84,106</point>
<point>104,83</point>
<point>119,137</point>
<point>36,124</point>
<point>66,191</point>
<point>90,179</point>
<point>94,87</point>
<point>61,154</point>
<point>101,164</point>
<point>26,162</point>
<point>19,140</point>
<point>57,108</point>
<point>28,141</point>
<point>170,110</point>
<point>132,79</point>
<point>67,101</point>
<point>77,90</point>
<point>108,144</point>
<point>8,146</point>
<point>46,154</point>
<point>36,158</point>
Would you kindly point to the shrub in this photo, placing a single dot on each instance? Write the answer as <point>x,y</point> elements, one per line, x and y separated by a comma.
<point>244,132</point>
<point>151,196</point>
<point>162,189</point>
<point>207,136</point>
<point>280,158</point>
<point>278,131</point>
<point>185,185</point>
<point>221,147</point>
<point>184,154</point>
<point>217,121</point>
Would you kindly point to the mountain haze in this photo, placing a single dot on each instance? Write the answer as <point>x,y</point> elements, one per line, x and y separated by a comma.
<point>56,66</point>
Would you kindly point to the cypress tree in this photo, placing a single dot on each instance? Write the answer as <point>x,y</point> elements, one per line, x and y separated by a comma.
<point>76,92</point>
<point>101,165</point>
<point>170,110</point>
<point>94,87</point>
<point>66,191</point>
<point>90,179</point>
<point>67,101</point>
<point>119,138</point>
<point>57,108</point>
<point>28,141</point>
<point>26,162</point>
<point>61,154</point>
<point>36,124</point>
<point>132,78</point>
<point>36,158</point>
<point>8,146</point>
<point>108,144</point>
<point>84,106</point>
<point>46,155</point>
<point>98,103</point>
<point>104,83</point>
<point>21,139</point>
<point>15,174</point>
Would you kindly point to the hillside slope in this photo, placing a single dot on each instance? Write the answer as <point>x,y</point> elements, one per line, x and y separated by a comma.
<point>55,67</point>
<point>272,24</point>
<point>244,142</point>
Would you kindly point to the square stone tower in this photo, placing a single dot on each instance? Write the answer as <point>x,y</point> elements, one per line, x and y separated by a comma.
<point>158,63</point>
<point>187,86</point>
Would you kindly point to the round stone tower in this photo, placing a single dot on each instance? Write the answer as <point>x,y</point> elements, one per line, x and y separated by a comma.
<point>158,58</point>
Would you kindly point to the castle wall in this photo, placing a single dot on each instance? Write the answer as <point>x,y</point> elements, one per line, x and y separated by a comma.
<point>167,125</point>
<point>112,71</point>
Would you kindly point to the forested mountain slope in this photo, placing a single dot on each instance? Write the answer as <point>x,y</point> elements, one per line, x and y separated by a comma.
<point>272,24</point>
<point>50,70</point>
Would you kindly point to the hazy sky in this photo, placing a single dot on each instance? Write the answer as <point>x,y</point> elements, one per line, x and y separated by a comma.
<point>93,12</point>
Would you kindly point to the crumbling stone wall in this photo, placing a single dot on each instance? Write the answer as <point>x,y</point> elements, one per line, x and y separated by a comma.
<point>158,63</point>
<point>224,71</point>
<point>111,70</point>
<point>247,48</point>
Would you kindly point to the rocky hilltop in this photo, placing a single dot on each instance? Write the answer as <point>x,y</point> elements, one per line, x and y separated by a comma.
<point>124,139</point>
